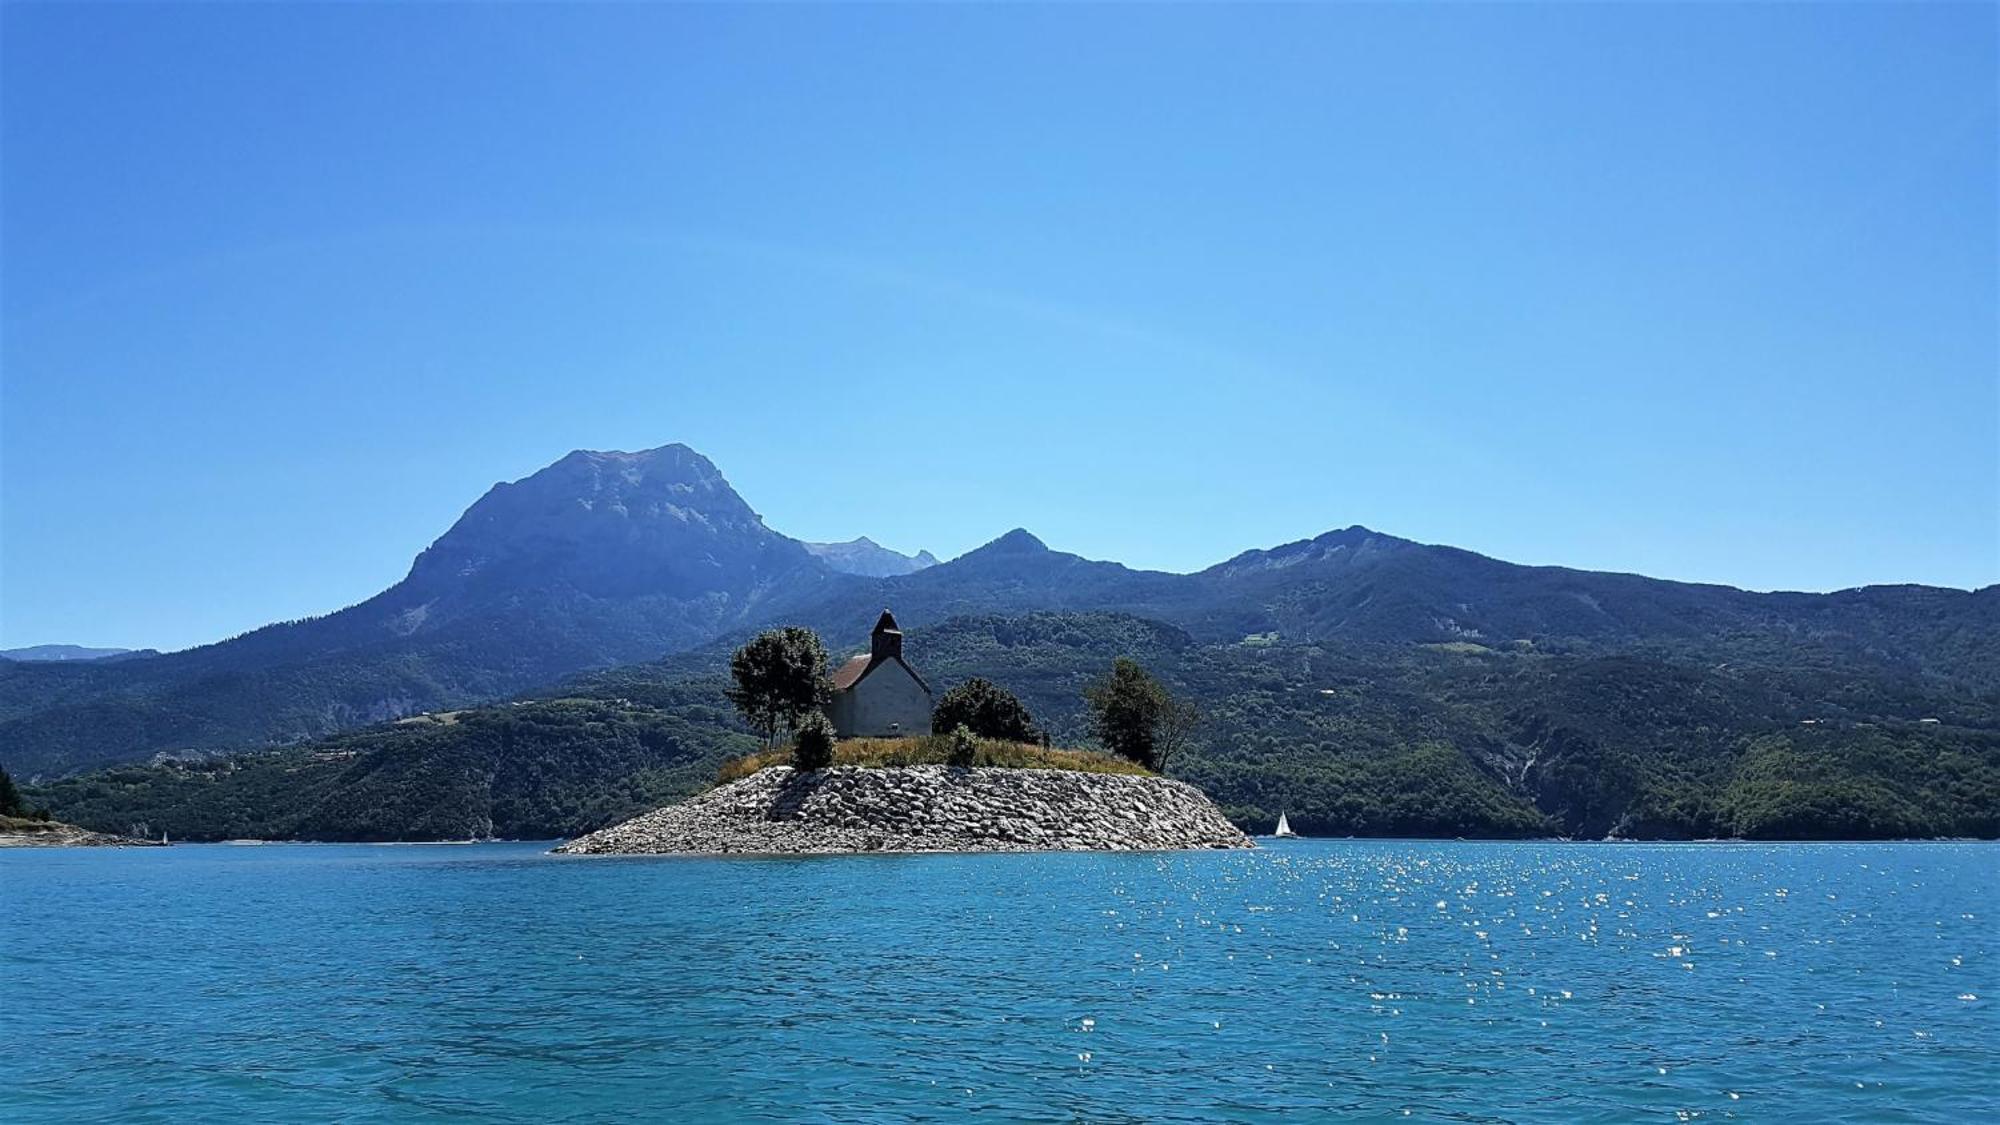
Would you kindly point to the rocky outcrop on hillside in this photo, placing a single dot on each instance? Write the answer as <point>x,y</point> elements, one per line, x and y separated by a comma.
<point>18,833</point>
<point>780,811</point>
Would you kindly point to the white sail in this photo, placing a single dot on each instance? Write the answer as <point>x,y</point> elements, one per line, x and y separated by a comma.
<point>1284,827</point>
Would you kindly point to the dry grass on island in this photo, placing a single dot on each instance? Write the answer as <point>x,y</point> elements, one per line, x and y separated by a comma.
<point>935,750</point>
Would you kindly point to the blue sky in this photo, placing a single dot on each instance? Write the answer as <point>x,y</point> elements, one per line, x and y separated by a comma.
<point>1700,291</point>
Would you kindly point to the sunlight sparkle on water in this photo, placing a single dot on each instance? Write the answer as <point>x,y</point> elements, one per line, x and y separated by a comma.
<point>952,986</point>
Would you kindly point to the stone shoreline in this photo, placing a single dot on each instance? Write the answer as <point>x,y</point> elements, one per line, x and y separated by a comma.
<point>848,809</point>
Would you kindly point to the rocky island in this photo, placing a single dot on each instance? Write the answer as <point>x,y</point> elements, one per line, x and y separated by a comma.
<point>925,808</point>
<point>858,779</point>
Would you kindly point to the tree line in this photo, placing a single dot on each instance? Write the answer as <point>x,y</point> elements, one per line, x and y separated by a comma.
<point>12,803</point>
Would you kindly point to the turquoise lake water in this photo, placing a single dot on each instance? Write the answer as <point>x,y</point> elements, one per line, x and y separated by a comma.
<point>1311,980</point>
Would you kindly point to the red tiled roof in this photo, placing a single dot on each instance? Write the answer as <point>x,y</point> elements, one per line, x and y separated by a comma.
<point>851,672</point>
<point>857,668</point>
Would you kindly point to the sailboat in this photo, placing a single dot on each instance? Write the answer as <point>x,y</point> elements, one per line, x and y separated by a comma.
<point>1284,827</point>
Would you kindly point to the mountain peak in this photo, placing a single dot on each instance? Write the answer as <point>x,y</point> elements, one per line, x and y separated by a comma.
<point>1016,542</point>
<point>1347,543</point>
<point>673,460</point>
<point>659,520</point>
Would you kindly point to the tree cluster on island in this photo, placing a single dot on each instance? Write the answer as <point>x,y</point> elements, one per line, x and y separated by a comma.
<point>779,683</point>
<point>778,679</point>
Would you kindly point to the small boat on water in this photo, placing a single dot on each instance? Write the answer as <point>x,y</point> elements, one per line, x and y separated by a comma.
<point>1284,827</point>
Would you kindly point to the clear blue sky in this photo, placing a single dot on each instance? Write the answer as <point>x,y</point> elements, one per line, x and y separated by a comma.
<point>1700,291</point>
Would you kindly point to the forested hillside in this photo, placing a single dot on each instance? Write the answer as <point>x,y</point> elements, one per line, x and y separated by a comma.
<point>1448,739</point>
<point>527,771</point>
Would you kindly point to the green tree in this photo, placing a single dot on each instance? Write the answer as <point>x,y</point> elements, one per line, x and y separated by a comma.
<point>963,749</point>
<point>1177,723</point>
<point>11,803</point>
<point>987,709</point>
<point>1134,717</point>
<point>812,749</point>
<point>779,678</point>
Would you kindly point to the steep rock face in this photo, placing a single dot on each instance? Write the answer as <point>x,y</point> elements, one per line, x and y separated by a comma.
<point>663,521</point>
<point>599,558</point>
<point>925,809</point>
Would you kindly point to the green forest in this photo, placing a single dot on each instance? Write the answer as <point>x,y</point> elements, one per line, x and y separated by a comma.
<point>1439,740</point>
<point>537,770</point>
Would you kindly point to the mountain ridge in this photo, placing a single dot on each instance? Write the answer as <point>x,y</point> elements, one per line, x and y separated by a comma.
<point>601,559</point>
<point>62,652</point>
<point>869,559</point>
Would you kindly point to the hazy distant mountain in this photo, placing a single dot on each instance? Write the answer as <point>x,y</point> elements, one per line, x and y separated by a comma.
<point>1016,573</point>
<point>610,558</point>
<point>870,559</point>
<point>67,652</point>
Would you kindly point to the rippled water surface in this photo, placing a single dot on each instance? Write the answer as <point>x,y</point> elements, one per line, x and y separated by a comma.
<point>1308,980</point>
